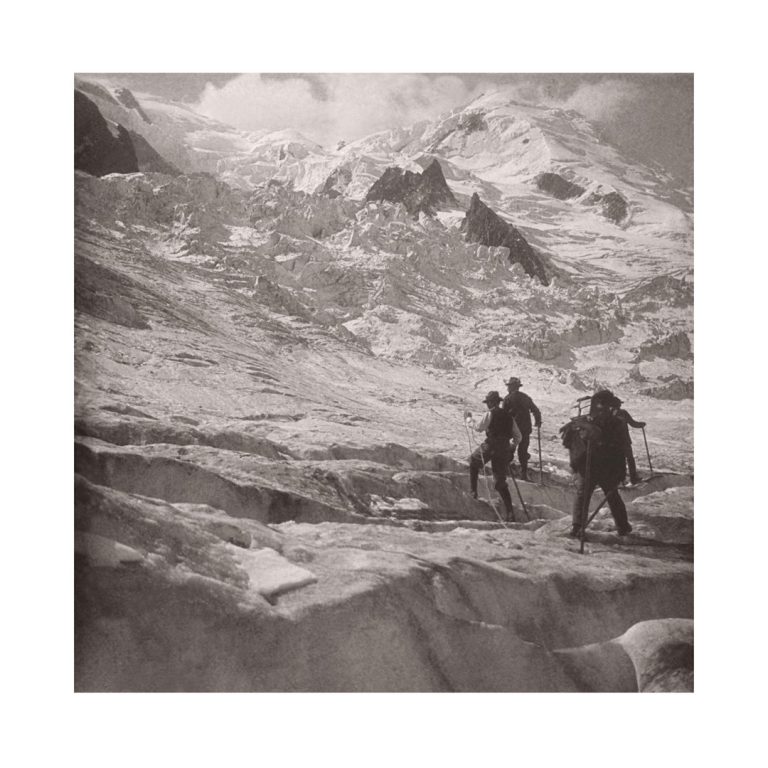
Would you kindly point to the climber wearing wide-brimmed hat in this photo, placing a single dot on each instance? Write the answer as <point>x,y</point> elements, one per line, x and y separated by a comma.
<point>624,416</point>
<point>601,463</point>
<point>520,406</point>
<point>499,429</point>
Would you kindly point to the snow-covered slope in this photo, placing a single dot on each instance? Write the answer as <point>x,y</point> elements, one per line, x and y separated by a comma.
<point>271,376</point>
<point>195,143</point>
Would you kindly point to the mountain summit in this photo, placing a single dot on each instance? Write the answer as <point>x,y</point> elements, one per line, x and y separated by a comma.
<point>418,192</point>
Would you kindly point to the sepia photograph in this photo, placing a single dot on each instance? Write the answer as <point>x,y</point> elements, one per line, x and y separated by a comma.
<point>383,382</point>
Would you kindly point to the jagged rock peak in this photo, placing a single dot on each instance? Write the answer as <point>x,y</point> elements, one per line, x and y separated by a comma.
<point>127,99</point>
<point>100,149</point>
<point>483,226</point>
<point>418,192</point>
<point>557,186</point>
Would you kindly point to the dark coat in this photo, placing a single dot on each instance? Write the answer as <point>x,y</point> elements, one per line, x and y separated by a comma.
<point>627,419</point>
<point>608,463</point>
<point>499,431</point>
<point>520,406</point>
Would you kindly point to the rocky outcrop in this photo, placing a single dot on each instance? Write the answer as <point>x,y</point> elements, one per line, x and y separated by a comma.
<point>483,226</point>
<point>94,89</point>
<point>669,346</point>
<point>555,185</point>
<point>336,184</point>
<point>612,205</point>
<point>674,389</point>
<point>127,99</point>
<point>149,160</point>
<point>99,148</point>
<point>423,192</point>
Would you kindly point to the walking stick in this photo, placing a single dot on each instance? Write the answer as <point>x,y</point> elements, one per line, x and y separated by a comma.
<point>520,495</point>
<point>645,440</point>
<point>587,496</point>
<point>601,505</point>
<point>541,476</point>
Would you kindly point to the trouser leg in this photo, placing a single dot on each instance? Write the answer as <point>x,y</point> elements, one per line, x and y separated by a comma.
<point>523,455</point>
<point>499,461</point>
<point>583,494</point>
<point>506,497</point>
<point>631,466</point>
<point>475,465</point>
<point>616,505</point>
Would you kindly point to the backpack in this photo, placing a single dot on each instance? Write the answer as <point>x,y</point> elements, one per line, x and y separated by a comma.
<point>501,426</point>
<point>576,434</point>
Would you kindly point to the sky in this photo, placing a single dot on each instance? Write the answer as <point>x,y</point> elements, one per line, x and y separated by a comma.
<point>648,116</point>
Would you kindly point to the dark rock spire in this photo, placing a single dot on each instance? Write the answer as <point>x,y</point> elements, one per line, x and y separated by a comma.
<point>483,226</point>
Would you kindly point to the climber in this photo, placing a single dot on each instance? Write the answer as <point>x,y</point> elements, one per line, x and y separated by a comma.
<point>520,406</point>
<point>596,446</point>
<point>628,421</point>
<point>499,429</point>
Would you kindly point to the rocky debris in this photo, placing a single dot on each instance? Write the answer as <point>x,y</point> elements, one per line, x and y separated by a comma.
<point>149,160</point>
<point>423,192</point>
<point>100,147</point>
<point>675,345</point>
<point>555,185</point>
<point>482,225</point>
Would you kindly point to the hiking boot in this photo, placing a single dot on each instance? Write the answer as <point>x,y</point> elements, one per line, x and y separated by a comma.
<point>625,531</point>
<point>575,532</point>
<point>636,480</point>
<point>524,474</point>
<point>474,494</point>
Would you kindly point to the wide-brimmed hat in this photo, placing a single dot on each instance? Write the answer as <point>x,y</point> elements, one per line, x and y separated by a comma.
<point>514,380</point>
<point>492,397</point>
<point>603,397</point>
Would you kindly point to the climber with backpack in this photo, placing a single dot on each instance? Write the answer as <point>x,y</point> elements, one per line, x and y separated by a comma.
<point>499,428</point>
<point>595,444</point>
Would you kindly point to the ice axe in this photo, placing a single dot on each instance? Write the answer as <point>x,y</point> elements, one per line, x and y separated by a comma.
<point>541,473</point>
<point>601,505</point>
<point>519,495</point>
<point>648,453</point>
<point>587,497</point>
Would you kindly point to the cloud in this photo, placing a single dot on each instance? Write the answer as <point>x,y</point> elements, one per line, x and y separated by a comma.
<point>599,98</point>
<point>328,108</point>
<point>603,101</point>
